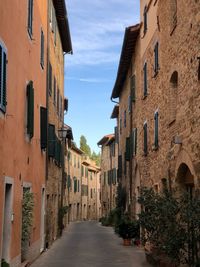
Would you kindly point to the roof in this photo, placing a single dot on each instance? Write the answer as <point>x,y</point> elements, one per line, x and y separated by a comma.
<point>63,25</point>
<point>115,112</point>
<point>75,148</point>
<point>105,139</point>
<point>130,38</point>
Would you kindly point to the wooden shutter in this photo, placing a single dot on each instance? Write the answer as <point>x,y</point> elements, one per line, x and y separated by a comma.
<point>119,174</point>
<point>128,152</point>
<point>156,65</point>
<point>145,79</point>
<point>133,88</point>
<point>43,127</point>
<point>145,139</point>
<point>50,79</point>
<point>54,90</point>
<point>156,130</point>
<point>3,78</point>
<point>135,141</point>
<point>68,181</point>
<point>116,135</point>
<point>125,163</point>
<point>51,140</point>
<point>30,17</point>
<point>30,109</point>
<point>42,49</point>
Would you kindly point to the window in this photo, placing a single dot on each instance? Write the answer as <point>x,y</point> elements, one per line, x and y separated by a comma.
<point>124,118</point>
<point>145,19</point>
<point>132,88</point>
<point>120,126</point>
<point>104,182</point>
<point>156,61</point>
<point>50,78</point>
<point>173,91</point>
<point>61,107</point>
<point>129,104</point>
<point>3,77</point>
<point>78,189</point>
<point>42,49</point>
<point>125,163</point>
<point>116,135</point>
<point>43,127</point>
<point>30,109</point>
<point>156,130</point>
<point>75,185</point>
<point>51,140</point>
<point>91,192</point>
<point>54,90</point>
<point>127,154</point>
<point>145,79</point>
<point>145,139</point>
<point>134,136</point>
<point>119,174</point>
<point>30,17</point>
<point>58,101</point>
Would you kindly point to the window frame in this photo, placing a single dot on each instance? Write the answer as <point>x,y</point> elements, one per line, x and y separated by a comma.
<point>30,19</point>
<point>3,77</point>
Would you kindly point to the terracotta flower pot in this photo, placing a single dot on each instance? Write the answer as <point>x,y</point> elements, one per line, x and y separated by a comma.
<point>127,242</point>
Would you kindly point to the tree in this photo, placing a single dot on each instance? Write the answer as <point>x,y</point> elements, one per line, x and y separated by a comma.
<point>84,146</point>
<point>96,157</point>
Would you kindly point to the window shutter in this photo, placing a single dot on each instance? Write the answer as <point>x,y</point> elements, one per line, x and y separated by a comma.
<point>30,17</point>
<point>51,140</point>
<point>127,153</point>
<point>125,163</point>
<point>54,91</point>
<point>50,79</point>
<point>156,130</point>
<point>129,104</point>
<point>145,139</point>
<point>145,19</point>
<point>145,79</point>
<point>58,101</point>
<point>42,49</point>
<point>133,88</point>
<point>43,127</point>
<point>156,65</point>
<point>119,167</point>
<point>116,135</point>
<point>135,142</point>
<point>68,181</point>
<point>30,110</point>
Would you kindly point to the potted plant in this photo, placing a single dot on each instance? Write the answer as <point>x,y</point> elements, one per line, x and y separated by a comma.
<point>128,230</point>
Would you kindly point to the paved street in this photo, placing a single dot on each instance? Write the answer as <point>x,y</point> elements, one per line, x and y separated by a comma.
<point>88,244</point>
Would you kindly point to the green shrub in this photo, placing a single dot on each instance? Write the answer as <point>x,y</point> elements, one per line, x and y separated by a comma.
<point>4,263</point>
<point>128,229</point>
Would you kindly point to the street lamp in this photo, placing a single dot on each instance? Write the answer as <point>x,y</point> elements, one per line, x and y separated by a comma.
<point>62,133</point>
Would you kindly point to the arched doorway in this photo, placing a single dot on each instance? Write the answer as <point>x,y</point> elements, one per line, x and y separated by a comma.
<point>185,179</point>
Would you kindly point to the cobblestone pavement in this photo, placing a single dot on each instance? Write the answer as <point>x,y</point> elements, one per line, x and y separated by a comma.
<point>88,244</point>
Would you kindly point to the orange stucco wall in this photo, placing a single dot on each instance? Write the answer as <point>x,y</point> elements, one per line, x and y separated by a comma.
<point>21,158</point>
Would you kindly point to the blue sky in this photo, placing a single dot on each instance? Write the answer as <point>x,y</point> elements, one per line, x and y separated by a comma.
<point>97,30</point>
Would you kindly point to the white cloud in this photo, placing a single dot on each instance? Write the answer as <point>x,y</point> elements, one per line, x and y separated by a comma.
<point>97,29</point>
<point>88,80</point>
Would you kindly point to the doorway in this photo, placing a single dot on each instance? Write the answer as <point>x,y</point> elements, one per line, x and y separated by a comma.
<point>7,222</point>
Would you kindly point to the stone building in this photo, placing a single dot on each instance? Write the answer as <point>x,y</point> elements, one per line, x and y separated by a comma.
<point>59,43</point>
<point>157,85</point>
<point>109,161</point>
<point>23,38</point>
<point>83,186</point>
<point>74,197</point>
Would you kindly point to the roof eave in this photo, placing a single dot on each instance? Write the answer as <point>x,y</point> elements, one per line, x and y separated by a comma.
<point>130,38</point>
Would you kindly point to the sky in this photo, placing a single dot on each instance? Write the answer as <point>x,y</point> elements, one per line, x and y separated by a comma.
<point>97,30</point>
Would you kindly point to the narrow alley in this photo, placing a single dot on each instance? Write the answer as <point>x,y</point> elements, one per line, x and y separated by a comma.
<point>90,244</point>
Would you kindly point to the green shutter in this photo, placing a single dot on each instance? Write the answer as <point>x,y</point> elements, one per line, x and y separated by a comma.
<point>1,62</point>
<point>145,139</point>
<point>135,142</point>
<point>133,88</point>
<point>119,174</point>
<point>75,185</point>
<point>30,110</point>
<point>156,130</point>
<point>128,150</point>
<point>51,140</point>
<point>58,152</point>
<point>68,181</point>
<point>43,127</point>
<point>116,135</point>
<point>125,163</point>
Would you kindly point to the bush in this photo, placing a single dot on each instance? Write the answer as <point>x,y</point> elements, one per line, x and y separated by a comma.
<point>4,263</point>
<point>128,229</point>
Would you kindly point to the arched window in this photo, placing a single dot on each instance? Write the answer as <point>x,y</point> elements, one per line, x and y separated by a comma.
<point>173,96</point>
